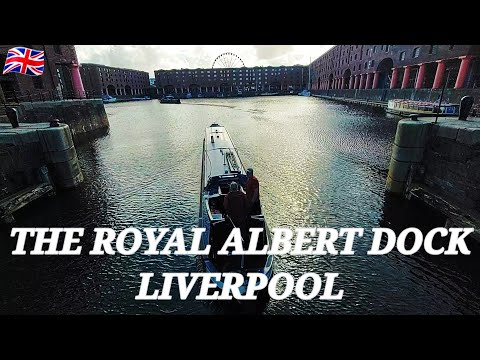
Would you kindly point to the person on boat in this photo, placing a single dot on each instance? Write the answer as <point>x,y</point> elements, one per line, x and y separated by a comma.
<point>236,206</point>
<point>253,192</point>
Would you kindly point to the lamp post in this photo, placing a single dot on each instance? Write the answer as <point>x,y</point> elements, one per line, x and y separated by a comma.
<point>441,95</point>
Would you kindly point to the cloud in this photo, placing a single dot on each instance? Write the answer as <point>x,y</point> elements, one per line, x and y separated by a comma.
<point>270,52</point>
<point>153,57</point>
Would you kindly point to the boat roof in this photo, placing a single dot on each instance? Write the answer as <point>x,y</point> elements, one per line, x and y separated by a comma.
<point>221,157</point>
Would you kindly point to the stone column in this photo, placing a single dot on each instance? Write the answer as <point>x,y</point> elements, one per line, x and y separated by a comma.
<point>362,81</point>
<point>463,71</point>
<point>343,83</point>
<point>393,83</point>
<point>437,83</point>
<point>406,77</point>
<point>350,85</point>
<point>420,77</point>
<point>375,79</point>
<point>2,97</point>
<point>369,81</point>
<point>356,83</point>
<point>78,90</point>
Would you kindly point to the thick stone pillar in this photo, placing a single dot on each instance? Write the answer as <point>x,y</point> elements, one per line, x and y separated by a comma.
<point>362,81</point>
<point>463,72</point>
<point>406,77</point>
<point>343,83</point>
<point>350,85</point>
<point>437,83</point>
<point>357,81</point>
<point>78,90</point>
<point>408,148</point>
<point>393,83</point>
<point>375,79</point>
<point>369,81</point>
<point>420,77</point>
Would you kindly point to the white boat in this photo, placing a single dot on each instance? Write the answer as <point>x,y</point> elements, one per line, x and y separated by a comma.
<point>108,99</point>
<point>304,92</point>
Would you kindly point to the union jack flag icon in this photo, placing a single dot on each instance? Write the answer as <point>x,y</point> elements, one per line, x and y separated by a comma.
<point>24,61</point>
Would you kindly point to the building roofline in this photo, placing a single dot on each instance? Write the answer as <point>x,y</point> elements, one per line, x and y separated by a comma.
<point>235,68</point>
<point>114,67</point>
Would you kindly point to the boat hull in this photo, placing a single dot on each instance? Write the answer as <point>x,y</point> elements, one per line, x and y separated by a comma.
<point>217,173</point>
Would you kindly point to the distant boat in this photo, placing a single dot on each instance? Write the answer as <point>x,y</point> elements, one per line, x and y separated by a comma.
<point>304,92</point>
<point>140,98</point>
<point>269,94</point>
<point>189,95</point>
<point>169,99</point>
<point>108,99</point>
<point>409,107</point>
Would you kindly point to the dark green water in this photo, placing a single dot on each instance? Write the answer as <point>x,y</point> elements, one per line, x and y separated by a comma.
<point>319,164</point>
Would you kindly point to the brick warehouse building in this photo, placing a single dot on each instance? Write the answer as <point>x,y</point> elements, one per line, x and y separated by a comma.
<point>228,81</point>
<point>385,72</point>
<point>60,78</point>
<point>114,81</point>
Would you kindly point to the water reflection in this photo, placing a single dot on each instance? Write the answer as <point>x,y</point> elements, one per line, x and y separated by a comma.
<point>319,163</point>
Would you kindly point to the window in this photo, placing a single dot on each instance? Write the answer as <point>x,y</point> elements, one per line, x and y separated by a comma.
<point>374,49</point>
<point>387,47</point>
<point>359,66</point>
<point>416,52</point>
<point>433,49</point>
<point>355,56</point>
<point>366,65</point>
<point>402,56</point>
<point>37,82</point>
<point>372,63</point>
<point>353,68</point>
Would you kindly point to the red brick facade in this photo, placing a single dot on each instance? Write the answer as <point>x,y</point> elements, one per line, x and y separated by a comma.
<point>56,81</point>
<point>397,66</point>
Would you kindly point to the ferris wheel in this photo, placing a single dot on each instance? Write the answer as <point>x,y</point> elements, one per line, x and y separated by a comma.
<point>227,60</point>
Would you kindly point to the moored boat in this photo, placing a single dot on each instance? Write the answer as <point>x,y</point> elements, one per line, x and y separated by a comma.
<point>409,107</point>
<point>304,92</point>
<point>108,99</point>
<point>169,99</point>
<point>221,166</point>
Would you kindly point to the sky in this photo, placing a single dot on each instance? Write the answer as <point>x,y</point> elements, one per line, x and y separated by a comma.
<point>155,57</point>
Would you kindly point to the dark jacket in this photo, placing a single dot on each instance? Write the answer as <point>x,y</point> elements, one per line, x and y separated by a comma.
<point>235,204</point>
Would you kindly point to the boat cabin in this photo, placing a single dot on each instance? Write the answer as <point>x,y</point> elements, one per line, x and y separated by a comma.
<point>221,166</point>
